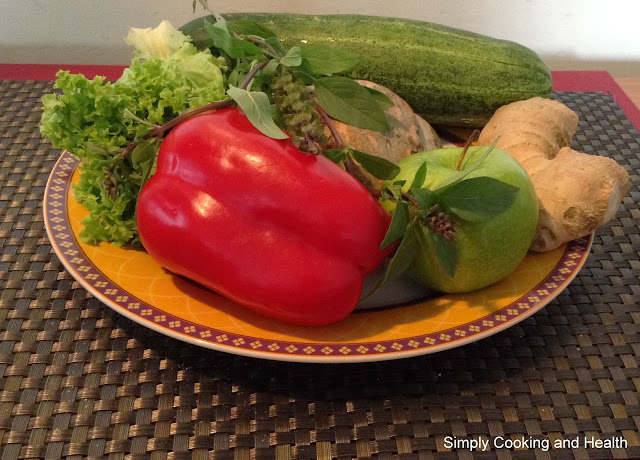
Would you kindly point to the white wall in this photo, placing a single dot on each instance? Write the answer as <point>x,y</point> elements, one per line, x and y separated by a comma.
<point>568,34</point>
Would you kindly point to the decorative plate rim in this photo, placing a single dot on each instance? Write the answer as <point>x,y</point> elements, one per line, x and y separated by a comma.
<point>68,249</point>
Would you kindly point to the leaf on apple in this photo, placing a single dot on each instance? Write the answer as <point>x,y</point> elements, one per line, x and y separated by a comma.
<point>425,197</point>
<point>398,226</point>
<point>420,176</point>
<point>446,252</point>
<point>402,257</point>
<point>478,198</point>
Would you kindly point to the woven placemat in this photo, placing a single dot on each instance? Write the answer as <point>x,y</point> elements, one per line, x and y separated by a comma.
<point>80,381</point>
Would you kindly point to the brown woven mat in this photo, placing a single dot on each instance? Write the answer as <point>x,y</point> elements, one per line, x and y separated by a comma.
<point>80,381</point>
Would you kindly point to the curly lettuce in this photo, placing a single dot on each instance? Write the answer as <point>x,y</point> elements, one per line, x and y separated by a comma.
<point>95,119</point>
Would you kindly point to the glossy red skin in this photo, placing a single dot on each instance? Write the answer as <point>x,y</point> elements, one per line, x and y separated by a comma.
<point>287,234</point>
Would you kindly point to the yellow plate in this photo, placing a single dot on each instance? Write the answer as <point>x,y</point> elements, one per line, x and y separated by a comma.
<point>134,285</point>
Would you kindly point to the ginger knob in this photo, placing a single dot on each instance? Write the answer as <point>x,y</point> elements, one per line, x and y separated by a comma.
<point>577,192</point>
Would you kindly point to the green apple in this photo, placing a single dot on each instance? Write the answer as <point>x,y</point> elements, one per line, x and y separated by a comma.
<point>487,249</point>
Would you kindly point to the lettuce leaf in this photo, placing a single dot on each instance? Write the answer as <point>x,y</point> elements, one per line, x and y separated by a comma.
<point>93,120</point>
<point>158,43</point>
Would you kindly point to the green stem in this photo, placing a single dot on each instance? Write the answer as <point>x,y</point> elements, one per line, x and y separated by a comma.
<point>406,196</point>
<point>205,5</point>
<point>271,51</point>
<point>326,119</point>
<point>252,73</point>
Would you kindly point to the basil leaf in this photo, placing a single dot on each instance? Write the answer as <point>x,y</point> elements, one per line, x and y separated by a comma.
<point>395,189</point>
<point>293,58</point>
<point>446,251</point>
<point>144,157</point>
<point>323,59</point>
<point>336,155</point>
<point>271,68</point>
<point>303,72</point>
<point>401,259</point>
<point>129,115</point>
<point>376,166</point>
<point>425,197</point>
<point>384,100</point>
<point>464,172</point>
<point>404,255</point>
<point>349,102</point>
<point>238,73</point>
<point>249,27</point>
<point>398,226</point>
<point>219,22</point>
<point>256,106</point>
<point>420,176</point>
<point>479,198</point>
<point>232,46</point>
<point>143,153</point>
<point>277,45</point>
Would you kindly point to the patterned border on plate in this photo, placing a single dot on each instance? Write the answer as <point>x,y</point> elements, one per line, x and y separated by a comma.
<point>73,258</point>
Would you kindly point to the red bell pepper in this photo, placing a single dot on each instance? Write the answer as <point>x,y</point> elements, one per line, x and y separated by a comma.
<point>288,234</point>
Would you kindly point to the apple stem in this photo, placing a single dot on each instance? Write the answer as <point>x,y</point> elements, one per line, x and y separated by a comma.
<point>473,137</point>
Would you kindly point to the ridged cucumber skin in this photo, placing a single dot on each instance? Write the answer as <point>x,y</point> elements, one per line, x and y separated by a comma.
<point>448,76</point>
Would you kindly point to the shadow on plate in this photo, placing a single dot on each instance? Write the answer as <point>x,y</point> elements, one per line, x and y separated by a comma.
<point>409,302</point>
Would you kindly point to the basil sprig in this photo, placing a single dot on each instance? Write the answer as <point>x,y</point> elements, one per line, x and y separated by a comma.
<point>245,43</point>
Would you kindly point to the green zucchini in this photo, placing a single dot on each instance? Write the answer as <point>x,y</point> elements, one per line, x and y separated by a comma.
<point>447,75</point>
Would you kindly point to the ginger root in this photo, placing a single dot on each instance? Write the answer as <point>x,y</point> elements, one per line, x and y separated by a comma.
<point>409,134</point>
<point>577,192</point>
